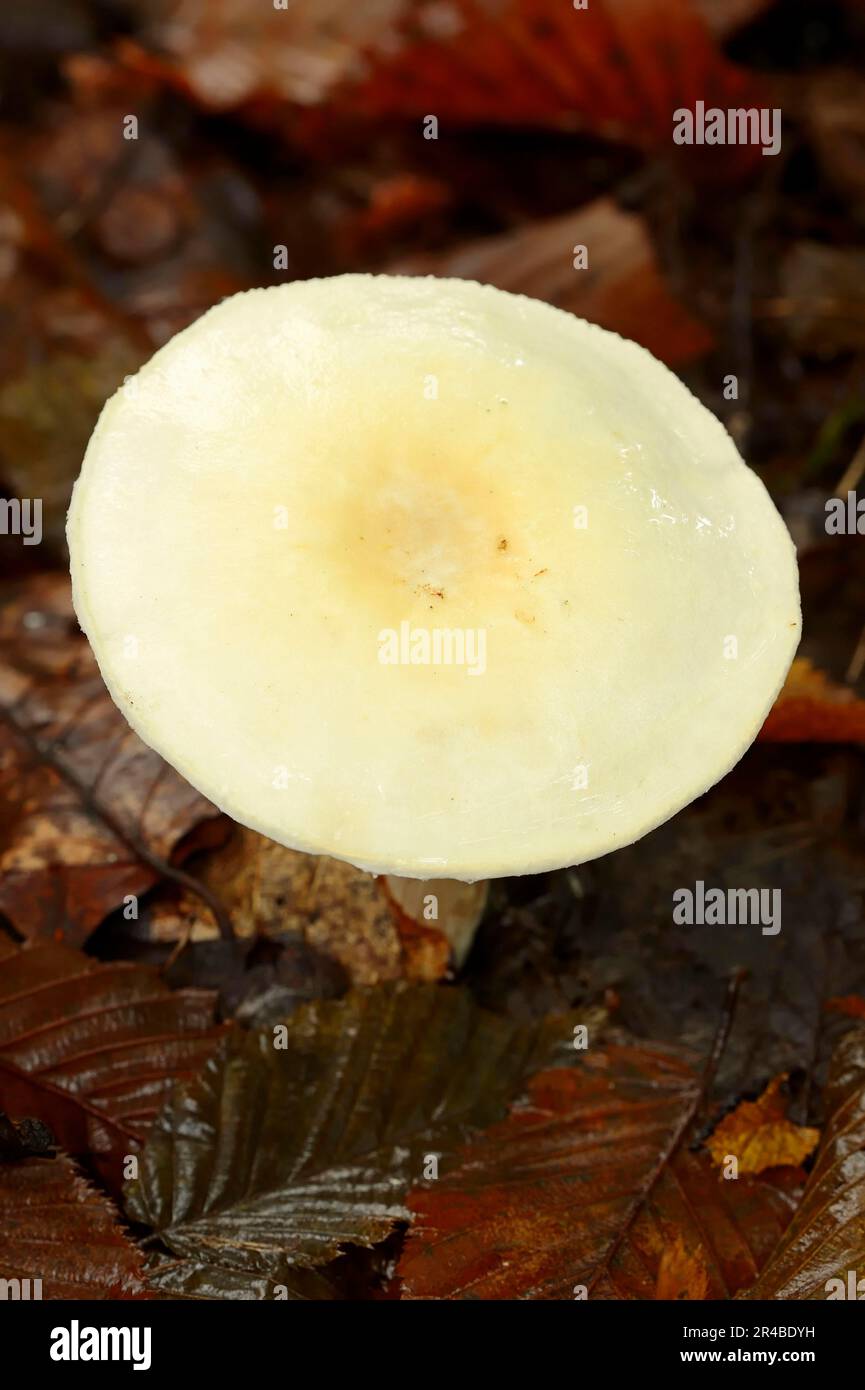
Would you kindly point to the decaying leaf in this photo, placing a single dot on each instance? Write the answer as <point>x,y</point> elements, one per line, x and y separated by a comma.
<point>826,1238</point>
<point>811,708</point>
<point>376,928</point>
<point>618,68</point>
<point>63,1237</point>
<point>582,1189</point>
<point>759,1135</point>
<point>621,288</point>
<point>681,1274</point>
<point>84,804</point>
<point>92,1050</point>
<point>290,1145</point>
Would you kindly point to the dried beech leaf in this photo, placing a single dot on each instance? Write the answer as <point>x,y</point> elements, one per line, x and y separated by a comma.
<point>375,928</point>
<point>759,1135</point>
<point>622,288</point>
<point>55,1228</point>
<point>618,68</point>
<point>585,1184</point>
<point>92,1050</point>
<point>81,795</point>
<point>826,1238</point>
<point>278,1156</point>
<point>682,1274</point>
<point>813,709</point>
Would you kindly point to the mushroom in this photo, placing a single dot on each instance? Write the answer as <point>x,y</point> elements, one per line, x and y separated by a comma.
<point>428,577</point>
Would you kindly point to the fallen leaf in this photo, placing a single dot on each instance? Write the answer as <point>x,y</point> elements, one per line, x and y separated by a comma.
<point>582,1189</point>
<point>682,1274</point>
<point>283,1154</point>
<point>375,928</point>
<point>759,1135</point>
<point>437,917</point>
<point>55,1229</point>
<point>826,1238</point>
<point>85,806</point>
<point>93,1050</point>
<point>618,68</point>
<point>787,821</point>
<point>811,708</point>
<point>622,288</point>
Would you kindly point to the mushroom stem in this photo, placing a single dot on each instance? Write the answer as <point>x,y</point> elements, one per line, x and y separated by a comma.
<point>443,905</point>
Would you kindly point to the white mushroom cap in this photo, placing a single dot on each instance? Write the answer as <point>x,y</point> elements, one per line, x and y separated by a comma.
<point>316,494</point>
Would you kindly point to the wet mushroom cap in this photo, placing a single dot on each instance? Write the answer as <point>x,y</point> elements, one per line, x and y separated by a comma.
<point>433,578</point>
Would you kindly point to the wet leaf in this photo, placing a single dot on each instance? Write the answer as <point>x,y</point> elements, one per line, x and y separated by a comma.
<point>283,1154</point>
<point>785,821</point>
<point>84,804</point>
<point>55,1228</point>
<point>582,1189</point>
<point>826,1238</point>
<point>759,1135</point>
<point>682,1274</point>
<point>93,1050</point>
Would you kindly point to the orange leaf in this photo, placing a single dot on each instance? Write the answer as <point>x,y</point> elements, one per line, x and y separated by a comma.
<point>811,708</point>
<point>759,1135</point>
<point>682,1274</point>
<point>618,68</point>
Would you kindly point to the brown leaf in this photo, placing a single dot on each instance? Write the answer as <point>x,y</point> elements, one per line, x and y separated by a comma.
<point>759,1135</point>
<point>56,1230</point>
<point>826,1238</point>
<point>294,1142</point>
<point>622,289</point>
<point>618,68</point>
<point>682,1273</point>
<point>93,1050</point>
<point>437,919</point>
<point>84,804</point>
<point>376,928</point>
<point>584,1186</point>
<point>813,709</point>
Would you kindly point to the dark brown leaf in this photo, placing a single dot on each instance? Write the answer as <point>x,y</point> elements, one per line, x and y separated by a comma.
<point>583,1187</point>
<point>84,802</point>
<point>826,1238</point>
<point>92,1050</point>
<point>55,1229</point>
<point>618,68</point>
<point>282,1155</point>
